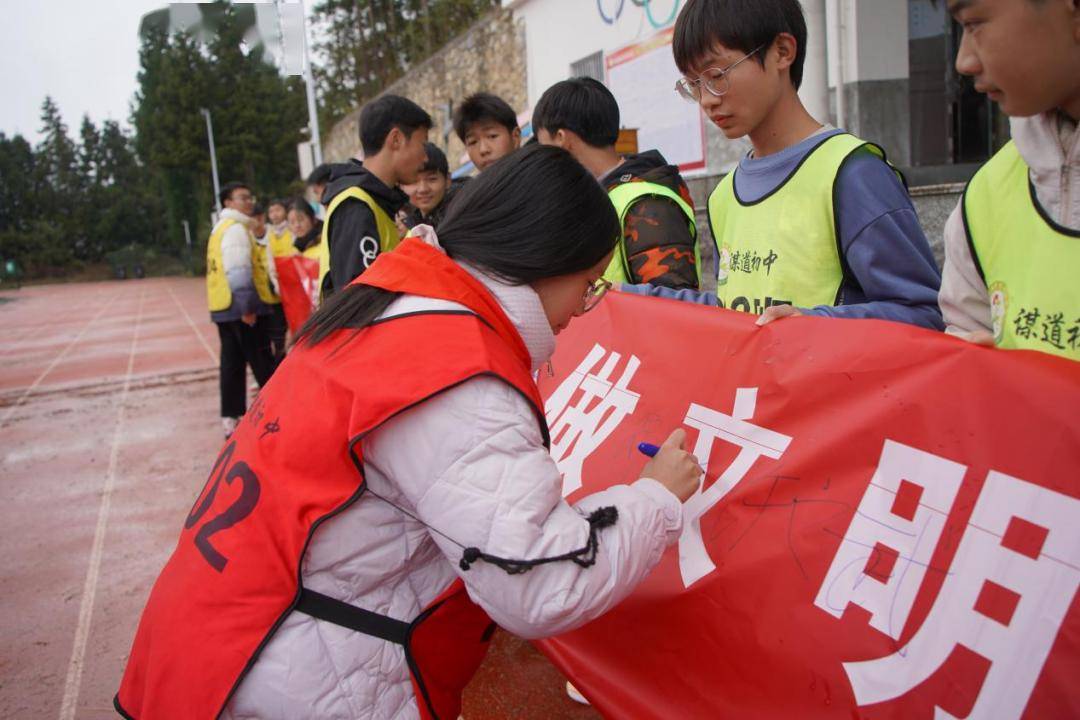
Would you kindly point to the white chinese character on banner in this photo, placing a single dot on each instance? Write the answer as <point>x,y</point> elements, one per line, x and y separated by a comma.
<point>754,441</point>
<point>1004,597</point>
<point>887,548</point>
<point>580,428</point>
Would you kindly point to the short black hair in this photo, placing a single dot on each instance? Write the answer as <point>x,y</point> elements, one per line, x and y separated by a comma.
<point>744,25</point>
<point>320,175</point>
<point>301,205</point>
<point>383,114</point>
<point>229,188</point>
<point>436,160</point>
<point>482,106</point>
<point>259,209</point>
<point>278,201</point>
<point>582,105</point>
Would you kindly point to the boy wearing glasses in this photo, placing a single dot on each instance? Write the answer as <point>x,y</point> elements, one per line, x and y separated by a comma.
<point>813,220</point>
<point>1012,245</point>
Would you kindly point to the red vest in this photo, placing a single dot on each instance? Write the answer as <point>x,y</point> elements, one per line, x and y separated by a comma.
<point>296,460</point>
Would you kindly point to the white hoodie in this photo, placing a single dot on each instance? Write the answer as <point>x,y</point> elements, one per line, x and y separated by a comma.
<point>471,463</point>
<point>1050,146</point>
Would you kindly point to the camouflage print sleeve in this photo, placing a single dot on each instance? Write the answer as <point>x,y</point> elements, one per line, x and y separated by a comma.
<point>659,245</point>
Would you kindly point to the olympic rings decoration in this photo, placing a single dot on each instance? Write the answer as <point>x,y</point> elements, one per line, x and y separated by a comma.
<point>604,16</point>
<point>645,5</point>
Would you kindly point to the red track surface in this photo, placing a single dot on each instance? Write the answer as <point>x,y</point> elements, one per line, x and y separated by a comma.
<point>108,426</point>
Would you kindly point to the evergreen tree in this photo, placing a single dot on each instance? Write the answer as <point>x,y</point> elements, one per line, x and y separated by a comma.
<point>371,43</point>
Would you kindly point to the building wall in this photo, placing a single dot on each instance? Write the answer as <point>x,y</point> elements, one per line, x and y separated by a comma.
<point>489,56</point>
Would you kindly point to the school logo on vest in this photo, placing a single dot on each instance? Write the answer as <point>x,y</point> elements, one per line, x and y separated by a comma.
<point>999,302</point>
<point>369,250</point>
<point>724,266</point>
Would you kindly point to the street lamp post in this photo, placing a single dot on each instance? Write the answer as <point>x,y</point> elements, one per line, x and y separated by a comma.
<point>213,158</point>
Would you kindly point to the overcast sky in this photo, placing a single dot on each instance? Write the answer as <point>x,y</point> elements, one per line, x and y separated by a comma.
<point>85,53</point>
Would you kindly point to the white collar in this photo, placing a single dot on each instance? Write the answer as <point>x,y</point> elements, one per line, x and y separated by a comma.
<point>522,305</point>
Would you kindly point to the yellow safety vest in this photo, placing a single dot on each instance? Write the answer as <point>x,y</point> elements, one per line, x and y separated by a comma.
<point>266,258</point>
<point>281,245</point>
<point>218,294</point>
<point>1027,260</point>
<point>783,249</point>
<point>388,233</point>
<point>625,195</point>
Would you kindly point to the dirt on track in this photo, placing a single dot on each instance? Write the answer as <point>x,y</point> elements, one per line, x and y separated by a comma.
<point>108,427</point>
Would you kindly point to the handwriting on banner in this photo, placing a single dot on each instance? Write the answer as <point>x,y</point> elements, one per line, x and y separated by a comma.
<point>753,442</point>
<point>1004,597</point>
<point>579,428</point>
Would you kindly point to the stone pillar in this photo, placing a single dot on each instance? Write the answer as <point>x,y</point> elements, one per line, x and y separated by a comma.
<point>814,91</point>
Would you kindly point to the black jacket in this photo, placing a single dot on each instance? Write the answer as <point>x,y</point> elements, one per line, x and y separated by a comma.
<point>658,242</point>
<point>353,222</point>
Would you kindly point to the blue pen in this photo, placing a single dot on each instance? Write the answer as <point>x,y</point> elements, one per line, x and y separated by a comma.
<point>648,449</point>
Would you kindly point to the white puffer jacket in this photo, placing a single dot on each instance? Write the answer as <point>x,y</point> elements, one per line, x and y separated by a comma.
<point>471,464</point>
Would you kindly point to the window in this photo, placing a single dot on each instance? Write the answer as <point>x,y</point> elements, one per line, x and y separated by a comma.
<point>951,123</point>
<point>589,66</point>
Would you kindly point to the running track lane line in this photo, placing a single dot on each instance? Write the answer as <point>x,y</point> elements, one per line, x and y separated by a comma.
<point>194,328</point>
<point>63,353</point>
<point>86,606</point>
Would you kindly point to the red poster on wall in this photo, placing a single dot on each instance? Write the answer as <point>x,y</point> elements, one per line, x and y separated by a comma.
<point>889,525</point>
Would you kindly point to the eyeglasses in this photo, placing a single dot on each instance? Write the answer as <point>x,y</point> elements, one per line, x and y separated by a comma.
<point>715,80</point>
<point>594,294</point>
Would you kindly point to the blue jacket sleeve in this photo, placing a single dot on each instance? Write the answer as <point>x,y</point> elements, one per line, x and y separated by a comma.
<point>685,295</point>
<point>893,270</point>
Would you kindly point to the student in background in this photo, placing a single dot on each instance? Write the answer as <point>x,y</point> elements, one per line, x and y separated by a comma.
<point>431,192</point>
<point>488,127</point>
<point>316,184</point>
<point>659,240</point>
<point>281,238</point>
<point>363,196</point>
<point>306,228</point>
<point>275,321</point>
<point>239,296</point>
<point>813,220</point>
<point>1012,245</point>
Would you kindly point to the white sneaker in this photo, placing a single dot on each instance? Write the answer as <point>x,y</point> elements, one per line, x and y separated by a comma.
<point>228,424</point>
<point>575,694</point>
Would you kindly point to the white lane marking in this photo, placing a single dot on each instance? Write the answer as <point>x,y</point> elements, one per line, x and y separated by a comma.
<point>86,607</point>
<point>194,328</point>
<point>63,353</point>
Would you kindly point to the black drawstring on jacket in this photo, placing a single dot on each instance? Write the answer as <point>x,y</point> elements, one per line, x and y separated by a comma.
<point>585,557</point>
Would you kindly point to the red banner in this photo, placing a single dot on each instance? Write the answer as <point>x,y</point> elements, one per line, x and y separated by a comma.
<point>298,282</point>
<point>889,525</point>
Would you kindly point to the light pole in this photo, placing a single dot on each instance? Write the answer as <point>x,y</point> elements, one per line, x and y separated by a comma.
<point>309,80</point>
<point>213,158</point>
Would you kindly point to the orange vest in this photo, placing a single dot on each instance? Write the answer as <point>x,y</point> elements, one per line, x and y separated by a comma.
<point>297,459</point>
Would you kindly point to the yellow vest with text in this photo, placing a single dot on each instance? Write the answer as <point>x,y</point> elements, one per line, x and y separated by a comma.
<point>281,245</point>
<point>388,233</point>
<point>1028,260</point>
<point>783,249</point>
<point>218,294</point>
<point>623,197</point>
